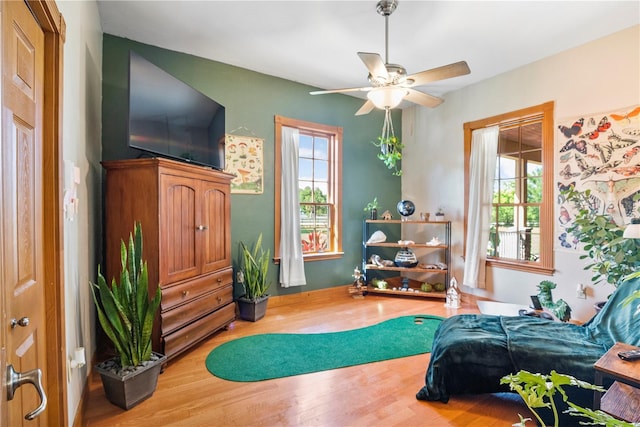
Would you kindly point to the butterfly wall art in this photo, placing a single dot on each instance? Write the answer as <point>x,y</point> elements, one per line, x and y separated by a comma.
<point>599,152</point>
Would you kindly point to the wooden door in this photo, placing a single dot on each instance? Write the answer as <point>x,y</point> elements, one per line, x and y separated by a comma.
<point>178,222</point>
<point>21,219</point>
<point>215,242</point>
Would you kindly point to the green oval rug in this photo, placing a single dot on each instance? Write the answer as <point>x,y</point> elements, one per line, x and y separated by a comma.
<point>268,356</point>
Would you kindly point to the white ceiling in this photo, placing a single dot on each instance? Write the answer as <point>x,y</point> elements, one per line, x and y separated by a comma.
<point>315,42</point>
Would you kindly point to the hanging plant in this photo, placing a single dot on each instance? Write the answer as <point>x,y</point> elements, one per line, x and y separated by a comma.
<point>390,145</point>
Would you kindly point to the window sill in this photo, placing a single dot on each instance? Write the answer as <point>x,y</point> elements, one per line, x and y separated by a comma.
<point>528,267</point>
<point>317,257</point>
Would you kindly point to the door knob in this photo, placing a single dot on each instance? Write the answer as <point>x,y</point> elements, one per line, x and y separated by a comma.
<point>16,379</point>
<point>24,321</point>
<point>202,227</point>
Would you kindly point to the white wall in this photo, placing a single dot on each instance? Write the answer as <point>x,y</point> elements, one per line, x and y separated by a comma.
<point>597,77</point>
<point>82,146</point>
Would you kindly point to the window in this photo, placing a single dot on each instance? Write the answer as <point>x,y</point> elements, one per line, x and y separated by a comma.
<point>320,194</point>
<point>521,234</point>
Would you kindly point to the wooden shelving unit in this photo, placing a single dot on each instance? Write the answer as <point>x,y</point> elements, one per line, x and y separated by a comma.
<point>411,285</point>
<point>412,291</point>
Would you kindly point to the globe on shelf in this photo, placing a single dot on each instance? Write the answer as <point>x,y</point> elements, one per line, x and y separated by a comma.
<point>406,207</point>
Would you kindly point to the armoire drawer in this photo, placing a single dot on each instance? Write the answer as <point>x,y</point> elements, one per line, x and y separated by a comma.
<point>195,308</point>
<point>184,338</point>
<point>191,289</point>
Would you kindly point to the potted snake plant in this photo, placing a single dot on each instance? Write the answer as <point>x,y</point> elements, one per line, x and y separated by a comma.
<point>126,314</point>
<point>254,267</point>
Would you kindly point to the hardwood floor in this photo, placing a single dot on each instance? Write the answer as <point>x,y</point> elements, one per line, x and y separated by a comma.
<point>375,394</point>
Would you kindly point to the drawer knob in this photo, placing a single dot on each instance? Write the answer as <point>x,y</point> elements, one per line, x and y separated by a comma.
<point>219,300</point>
<point>219,279</point>
<point>185,293</point>
<point>202,227</point>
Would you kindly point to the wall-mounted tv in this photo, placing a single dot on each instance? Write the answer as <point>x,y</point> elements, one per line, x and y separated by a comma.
<point>169,118</point>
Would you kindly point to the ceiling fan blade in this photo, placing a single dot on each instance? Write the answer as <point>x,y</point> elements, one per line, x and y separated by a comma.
<point>374,64</point>
<point>423,99</point>
<point>445,72</point>
<point>351,89</point>
<point>366,108</point>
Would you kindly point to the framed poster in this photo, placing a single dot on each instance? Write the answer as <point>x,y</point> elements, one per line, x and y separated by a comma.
<point>599,152</point>
<point>243,157</point>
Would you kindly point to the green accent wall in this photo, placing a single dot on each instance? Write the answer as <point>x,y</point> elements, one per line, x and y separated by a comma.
<point>252,100</point>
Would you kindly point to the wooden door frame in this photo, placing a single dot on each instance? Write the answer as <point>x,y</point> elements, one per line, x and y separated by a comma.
<point>53,26</point>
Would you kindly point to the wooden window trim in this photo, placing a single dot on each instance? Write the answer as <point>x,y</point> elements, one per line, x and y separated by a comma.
<point>545,266</point>
<point>335,186</point>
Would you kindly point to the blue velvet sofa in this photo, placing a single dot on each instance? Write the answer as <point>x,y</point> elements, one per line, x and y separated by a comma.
<point>471,353</point>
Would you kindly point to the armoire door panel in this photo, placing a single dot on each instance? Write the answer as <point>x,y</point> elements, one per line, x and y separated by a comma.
<point>216,249</point>
<point>178,232</point>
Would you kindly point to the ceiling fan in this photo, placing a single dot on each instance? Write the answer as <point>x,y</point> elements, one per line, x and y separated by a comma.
<point>390,83</point>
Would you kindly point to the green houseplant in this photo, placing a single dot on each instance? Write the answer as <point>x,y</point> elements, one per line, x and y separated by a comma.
<point>538,391</point>
<point>389,144</point>
<point>126,314</point>
<point>372,208</point>
<point>613,257</point>
<point>390,152</point>
<point>254,268</point>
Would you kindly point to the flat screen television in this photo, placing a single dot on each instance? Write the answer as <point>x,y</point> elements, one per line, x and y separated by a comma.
<point>169,118</point>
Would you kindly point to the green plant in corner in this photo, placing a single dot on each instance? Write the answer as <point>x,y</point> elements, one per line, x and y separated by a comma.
<point>125,311</point>
<point>613,257</point>
<point>255,267</point>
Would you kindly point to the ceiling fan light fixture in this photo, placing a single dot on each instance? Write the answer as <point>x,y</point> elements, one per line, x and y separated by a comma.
<point>386,97</point>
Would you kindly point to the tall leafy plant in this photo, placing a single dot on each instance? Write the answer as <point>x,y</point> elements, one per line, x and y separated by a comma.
<point>255,267</point>
<point>612,257</point>
<point>538,391</point>
<point>125,311</point>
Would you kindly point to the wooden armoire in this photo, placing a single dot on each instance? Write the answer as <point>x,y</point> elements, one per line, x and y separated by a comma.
<point>185,213</point>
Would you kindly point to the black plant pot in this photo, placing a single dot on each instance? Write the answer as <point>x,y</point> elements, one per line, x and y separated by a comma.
<point>252,310</point>
<point>127,389</point>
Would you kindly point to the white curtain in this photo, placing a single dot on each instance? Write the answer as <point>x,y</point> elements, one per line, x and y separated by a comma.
<point>484,149</point>
<point>291,260</point>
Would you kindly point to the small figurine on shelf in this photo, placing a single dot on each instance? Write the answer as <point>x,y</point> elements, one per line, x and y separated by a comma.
<point>453,296</point>
<point>359,284</point>
<point>387,216</point>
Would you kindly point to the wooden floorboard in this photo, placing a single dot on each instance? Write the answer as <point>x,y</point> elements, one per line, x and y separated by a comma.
<point>375,394</point>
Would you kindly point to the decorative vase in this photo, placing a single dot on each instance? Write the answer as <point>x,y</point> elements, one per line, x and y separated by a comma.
<point>126,388</point>
<point>252,310</point>
<point>374,213</point>
<point>405,258</point>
